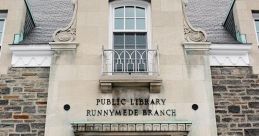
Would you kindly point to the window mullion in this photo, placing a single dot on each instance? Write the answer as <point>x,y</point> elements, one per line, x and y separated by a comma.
<point>124,18</point>
<point>136,58</point>
<point>124,52</point>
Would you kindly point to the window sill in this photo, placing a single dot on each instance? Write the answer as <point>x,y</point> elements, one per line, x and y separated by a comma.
<point>108,81</point>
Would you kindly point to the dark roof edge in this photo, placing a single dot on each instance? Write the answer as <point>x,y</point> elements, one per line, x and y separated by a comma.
<point>230,9</point>
<point>30,44</point>
<point>232,43</point>
<point>29,11</point>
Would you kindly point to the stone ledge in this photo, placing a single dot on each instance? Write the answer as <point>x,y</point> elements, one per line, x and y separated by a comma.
<point>153,82</point>
<point>196,45</point>
<point>63,46</point>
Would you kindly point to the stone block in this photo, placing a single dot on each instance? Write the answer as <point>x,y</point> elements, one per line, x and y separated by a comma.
<point>242,125</point>
<point>28,134</point>
<point>12,108</point>
<point>10,81</point>
<point>20,116</point>
<point>17,89</point>
<point>29,109</point>
<point>11,97</point>
<point>255,85</point>
<point>14,135</point>
<point>252,76</point>
<point>254,105</point>
<point>22,128</point>
<point>252,91</point>
<point>219,88</point>
<point>41,133</point>
<point>42,109</point>
<point>248,81</point>
<point>217,118</point>
<point>29,74</point>
<point>230,82</point>
<point>227,119</point>
<point>38,125</point>
<point>247,111</point>
<point>255,124</point>
<point>234,109</point>
<point>4,102</point>
<point>42,95</point>
<point>43,75</point>
<point>253,118</point>
<point>41,103</point>
<point>235,134</point>
<point>5,90</point>
<point>6,126</point>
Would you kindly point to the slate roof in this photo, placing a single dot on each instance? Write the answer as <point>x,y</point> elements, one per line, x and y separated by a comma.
<point>210,16</point>
<point>50,15</point>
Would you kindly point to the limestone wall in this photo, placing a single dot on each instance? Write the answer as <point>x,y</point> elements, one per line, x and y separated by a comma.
<point>236,96</point>
<point>23,101</point>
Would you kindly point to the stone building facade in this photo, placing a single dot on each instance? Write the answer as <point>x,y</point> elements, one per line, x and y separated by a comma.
<point>186,68</point>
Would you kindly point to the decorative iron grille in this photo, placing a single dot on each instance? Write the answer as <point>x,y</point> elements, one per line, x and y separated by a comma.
<point>130,61</point>
<point>132,127</point>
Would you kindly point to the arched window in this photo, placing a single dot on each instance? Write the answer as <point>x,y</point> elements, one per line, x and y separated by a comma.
<point>130,35</point>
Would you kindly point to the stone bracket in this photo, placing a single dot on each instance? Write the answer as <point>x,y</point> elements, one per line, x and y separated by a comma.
<point>192,34</point>
<point>108,82</point>
<point>68,34</point>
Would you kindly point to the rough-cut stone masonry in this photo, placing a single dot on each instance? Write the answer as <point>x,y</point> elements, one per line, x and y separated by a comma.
<point>23,101</point>
<point>236,96</point>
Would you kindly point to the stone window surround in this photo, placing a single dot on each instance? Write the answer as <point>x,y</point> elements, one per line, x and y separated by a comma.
<point>255,15</point>
<point>257,31</point>
<point>2,30</point>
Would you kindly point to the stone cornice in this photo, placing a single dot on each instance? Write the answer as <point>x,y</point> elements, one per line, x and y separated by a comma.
<point>31,55</point>
<point>229,55</point>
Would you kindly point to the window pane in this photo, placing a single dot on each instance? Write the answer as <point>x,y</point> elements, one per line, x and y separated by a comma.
<point>258,36</point>
<point>118,38</point>
<point>0,38</point>
<point>257,25</point>
<point>129,12</point>
<point>119,12</point>
<point>140,12</point>
<point>119,23</point>
<point>1,25</point>
<point>140,23</point>
<point>130,24</point>
<point>130,38</point>
<point>141,38</point>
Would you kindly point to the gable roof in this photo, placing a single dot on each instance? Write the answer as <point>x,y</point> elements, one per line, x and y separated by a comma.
<point>49,15</point>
